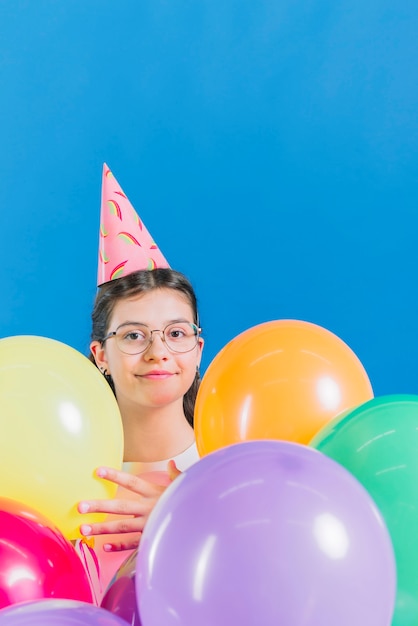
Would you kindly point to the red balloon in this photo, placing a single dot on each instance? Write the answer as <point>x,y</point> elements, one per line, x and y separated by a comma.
<point>36,560</point>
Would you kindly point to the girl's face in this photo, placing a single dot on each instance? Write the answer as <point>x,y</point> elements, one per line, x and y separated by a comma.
<point>157,376</point>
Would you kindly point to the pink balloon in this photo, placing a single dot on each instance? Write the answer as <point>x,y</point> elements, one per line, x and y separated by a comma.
<point>36,560</point>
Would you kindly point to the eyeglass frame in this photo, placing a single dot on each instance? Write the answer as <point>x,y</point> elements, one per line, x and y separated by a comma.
<point>113,333</point>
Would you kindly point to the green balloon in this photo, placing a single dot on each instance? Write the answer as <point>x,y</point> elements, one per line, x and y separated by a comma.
<point>378,443</point>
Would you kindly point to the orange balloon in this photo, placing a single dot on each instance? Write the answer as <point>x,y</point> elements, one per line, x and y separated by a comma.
<point>283,379</point>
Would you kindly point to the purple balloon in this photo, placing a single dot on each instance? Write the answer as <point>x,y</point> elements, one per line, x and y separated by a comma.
<point>51,612</point>
<point>120,596</point>
<point>266,532</point>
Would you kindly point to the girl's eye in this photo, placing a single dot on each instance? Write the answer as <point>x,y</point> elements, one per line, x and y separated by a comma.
<point>134,336</point>
<point>176,333</point>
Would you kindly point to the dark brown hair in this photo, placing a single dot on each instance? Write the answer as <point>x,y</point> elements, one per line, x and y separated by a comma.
<point>133,284</point>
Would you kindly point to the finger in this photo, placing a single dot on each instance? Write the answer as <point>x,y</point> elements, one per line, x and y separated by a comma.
<point>130,481</point>
<point>127,544</point>
<point>172,470</point>
<point>114,527</point>
<point>140,507</point>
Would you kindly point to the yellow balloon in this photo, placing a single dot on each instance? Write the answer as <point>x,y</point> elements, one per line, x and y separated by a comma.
<point>59,420</point>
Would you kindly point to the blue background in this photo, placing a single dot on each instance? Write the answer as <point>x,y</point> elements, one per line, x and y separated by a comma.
<point>269,146</point>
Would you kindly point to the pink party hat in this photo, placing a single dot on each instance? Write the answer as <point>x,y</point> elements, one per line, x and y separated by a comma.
<point>125,244</point>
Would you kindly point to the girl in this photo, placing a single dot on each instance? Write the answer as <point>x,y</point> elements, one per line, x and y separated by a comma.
<point>146,341</point>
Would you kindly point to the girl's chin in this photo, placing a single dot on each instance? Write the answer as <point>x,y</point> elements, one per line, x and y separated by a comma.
<point>159,401</point>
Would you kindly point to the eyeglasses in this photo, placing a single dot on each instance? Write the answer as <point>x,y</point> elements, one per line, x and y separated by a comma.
<point>136,338</point>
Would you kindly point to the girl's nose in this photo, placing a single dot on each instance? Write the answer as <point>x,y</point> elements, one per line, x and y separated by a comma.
<point>157,347</point>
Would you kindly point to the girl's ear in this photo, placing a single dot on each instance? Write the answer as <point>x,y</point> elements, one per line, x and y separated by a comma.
<point>99,355</point>
<point>200,343</point>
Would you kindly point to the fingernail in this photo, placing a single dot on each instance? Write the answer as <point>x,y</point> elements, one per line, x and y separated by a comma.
<point>101,472</point>
<point>85,530</point>
<point>107,547</point>
<point>83,507</point>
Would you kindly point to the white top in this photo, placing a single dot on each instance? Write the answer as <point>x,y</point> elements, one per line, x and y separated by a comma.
<point>183,461</point>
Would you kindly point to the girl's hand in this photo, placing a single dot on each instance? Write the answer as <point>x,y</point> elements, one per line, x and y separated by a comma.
<point>134,508</point>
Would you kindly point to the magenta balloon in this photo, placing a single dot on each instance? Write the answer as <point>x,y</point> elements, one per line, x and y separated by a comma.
<point>50,612</point>
<point>120,596</point>
<point>269,533</point>
<point>36,560</point>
